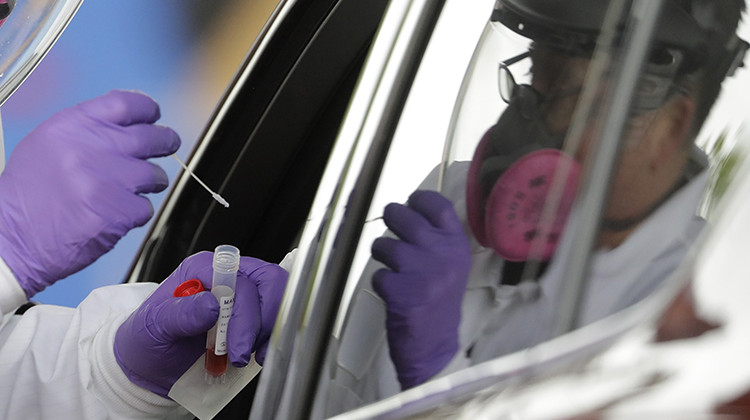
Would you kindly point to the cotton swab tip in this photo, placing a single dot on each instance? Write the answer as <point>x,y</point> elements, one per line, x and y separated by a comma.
<point>220,199</point>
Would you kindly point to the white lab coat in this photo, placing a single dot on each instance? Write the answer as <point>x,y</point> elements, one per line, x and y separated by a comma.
<point>501,319</point>
<point>58,363</point>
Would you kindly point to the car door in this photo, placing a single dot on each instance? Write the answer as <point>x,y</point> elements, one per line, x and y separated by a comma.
<point>339,109</point>
<point>267,142</point>
<point>391,132</point>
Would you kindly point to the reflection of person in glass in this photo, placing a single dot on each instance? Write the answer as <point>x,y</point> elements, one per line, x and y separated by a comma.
<point>452,293</point>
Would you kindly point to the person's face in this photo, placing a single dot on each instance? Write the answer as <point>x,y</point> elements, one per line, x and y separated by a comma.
<point>559,80</point>
<point>652,154</point>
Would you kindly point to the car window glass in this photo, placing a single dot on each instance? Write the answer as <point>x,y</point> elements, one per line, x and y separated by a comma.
<point>513,155</point>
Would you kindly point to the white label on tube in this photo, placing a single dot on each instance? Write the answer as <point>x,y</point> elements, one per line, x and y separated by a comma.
<point>225,312</point>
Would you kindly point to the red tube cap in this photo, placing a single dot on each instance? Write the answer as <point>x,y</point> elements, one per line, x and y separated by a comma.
<point>189,287</point>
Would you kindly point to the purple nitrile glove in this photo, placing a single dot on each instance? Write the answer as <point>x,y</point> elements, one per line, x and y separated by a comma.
<point>73,186</point>
<point>424,284</point>
<point>166,335</point>
<point>271,283</point>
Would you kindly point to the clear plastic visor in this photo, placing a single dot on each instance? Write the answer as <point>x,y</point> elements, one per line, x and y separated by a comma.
<point>28,32</point>
<point>530,118</point>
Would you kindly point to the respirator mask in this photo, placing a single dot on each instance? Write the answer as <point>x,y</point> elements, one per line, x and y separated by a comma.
<point>517,169</point>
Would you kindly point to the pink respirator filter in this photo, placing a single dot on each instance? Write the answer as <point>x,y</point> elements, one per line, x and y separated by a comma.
<point>511,221</point>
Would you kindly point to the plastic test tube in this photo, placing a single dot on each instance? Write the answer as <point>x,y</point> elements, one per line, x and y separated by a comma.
<point>226,262</point>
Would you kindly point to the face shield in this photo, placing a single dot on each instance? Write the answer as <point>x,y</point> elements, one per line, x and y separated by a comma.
<point>530,114</point>
<point>28,29</point>
<point>522,180</point>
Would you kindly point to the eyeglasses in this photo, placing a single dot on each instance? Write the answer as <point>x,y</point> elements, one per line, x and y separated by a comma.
<point>506,83</point>
<point>531,102</point>
<point>655,86</point>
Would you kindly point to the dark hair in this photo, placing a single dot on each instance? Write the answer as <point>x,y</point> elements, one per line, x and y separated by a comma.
<point>720,19</point>
<point>702,30</point>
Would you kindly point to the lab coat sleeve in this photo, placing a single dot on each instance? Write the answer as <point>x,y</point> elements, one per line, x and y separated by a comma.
<point>363,371</point>
<point>288,262</point>
<point>62,364</point>
<point>11,294</point>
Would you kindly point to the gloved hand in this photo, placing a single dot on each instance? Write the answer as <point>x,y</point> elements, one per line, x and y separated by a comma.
<point>166,335</point>
<point>72,187</point>
<point>424,284</point>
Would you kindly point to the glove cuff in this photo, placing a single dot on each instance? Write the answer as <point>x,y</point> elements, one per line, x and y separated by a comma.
<point>23,274</point>
<point>425,368</point>
<point>114,384</point>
